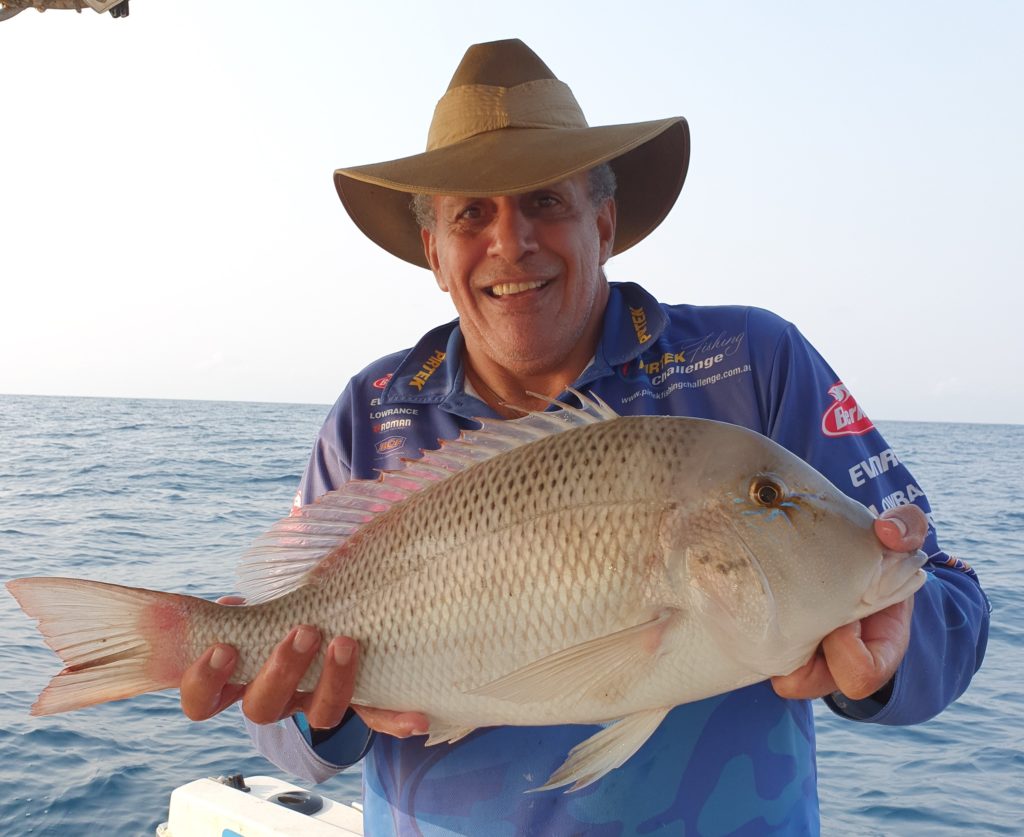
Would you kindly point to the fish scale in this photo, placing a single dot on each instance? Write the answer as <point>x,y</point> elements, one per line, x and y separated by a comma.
<point>572,566</point>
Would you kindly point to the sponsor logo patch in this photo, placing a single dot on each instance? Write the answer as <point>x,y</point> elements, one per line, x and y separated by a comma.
<point>955,563</point>
<point>639,317</point>
<point>420,378</point>
<point>688,357</point>
<point>380,383</point>
<point>389,444</point>
<point>845,417</point>
<point>393,411</point>
<point>392,424</point>
<point>872,467</point>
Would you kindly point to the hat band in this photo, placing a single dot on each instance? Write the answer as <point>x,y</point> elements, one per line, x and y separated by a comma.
<point>472,109</point>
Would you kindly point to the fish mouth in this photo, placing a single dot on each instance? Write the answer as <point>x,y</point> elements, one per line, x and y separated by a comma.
<point>505,289</point>
<point>897,577</point>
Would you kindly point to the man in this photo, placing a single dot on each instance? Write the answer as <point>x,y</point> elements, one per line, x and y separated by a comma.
<point>519,207</point>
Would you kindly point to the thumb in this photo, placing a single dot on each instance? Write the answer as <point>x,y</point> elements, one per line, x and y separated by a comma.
<point>902,529</point>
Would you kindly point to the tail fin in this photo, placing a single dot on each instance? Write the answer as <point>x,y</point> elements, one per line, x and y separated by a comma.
<point>116,642</point>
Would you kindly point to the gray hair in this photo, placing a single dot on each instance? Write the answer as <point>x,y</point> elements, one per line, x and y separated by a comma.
<point>422,207</point>
<point>600,181</point>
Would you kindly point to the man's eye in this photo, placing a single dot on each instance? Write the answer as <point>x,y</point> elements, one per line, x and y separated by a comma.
<point>473,212</point>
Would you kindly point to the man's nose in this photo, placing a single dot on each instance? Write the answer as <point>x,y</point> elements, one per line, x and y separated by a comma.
<point>512,233</point>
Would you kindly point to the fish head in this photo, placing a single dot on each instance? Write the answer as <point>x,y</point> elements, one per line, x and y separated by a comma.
<point>777,556</point>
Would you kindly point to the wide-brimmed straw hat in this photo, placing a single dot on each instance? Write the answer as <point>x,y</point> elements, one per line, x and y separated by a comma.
<point>506,125</point>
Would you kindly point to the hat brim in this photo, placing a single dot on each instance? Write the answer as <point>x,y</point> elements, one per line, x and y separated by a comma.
<point>650,160</point>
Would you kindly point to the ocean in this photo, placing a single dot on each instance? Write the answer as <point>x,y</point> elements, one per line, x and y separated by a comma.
<point>167,494</point>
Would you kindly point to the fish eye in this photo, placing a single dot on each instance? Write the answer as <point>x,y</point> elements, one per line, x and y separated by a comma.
<point>766,490</point>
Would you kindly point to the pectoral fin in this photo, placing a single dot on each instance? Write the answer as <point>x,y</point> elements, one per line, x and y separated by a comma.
<point>604,751</point>
<point>598,666</point>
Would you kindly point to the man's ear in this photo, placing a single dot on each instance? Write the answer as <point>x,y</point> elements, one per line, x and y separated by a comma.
<point>430,251</point>
<point>606,228</point>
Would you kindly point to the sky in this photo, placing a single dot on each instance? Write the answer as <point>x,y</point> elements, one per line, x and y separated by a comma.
<point>169,226</point>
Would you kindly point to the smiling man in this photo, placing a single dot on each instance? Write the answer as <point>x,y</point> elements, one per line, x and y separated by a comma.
<point>525,273</point>
<point>516,207</point>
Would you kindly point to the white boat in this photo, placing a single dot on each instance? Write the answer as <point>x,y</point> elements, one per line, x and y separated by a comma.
<point>117,8</point>
<point>256,806</point>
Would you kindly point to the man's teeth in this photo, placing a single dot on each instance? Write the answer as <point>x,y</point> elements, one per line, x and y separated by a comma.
<point>515,288</point>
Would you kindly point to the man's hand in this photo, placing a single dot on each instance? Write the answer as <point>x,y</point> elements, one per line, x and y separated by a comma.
<point>273,694</point>
<point>860,658</point>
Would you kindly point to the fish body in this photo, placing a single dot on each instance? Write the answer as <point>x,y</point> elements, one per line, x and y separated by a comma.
<point>569,567</point>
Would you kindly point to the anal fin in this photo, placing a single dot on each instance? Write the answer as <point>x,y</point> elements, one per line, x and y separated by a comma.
<point>589,760</point>
<point>446,734</point>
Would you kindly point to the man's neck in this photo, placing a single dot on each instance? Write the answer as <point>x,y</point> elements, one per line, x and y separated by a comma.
<point>510,386</point>
<point>510,395</point>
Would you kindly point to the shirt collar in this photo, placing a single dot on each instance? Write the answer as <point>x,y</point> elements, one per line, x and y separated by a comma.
<point>633,320</point>
<point>432,372</point>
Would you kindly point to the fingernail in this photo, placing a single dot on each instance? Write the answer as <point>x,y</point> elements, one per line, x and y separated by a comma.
<point>342,652</point>
<point>899,525</point>
<point>418,730</point>
<point>220,658</point>
<point>305,638</point>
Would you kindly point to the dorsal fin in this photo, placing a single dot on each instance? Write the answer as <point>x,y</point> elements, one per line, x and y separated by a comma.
<point>280,560</point>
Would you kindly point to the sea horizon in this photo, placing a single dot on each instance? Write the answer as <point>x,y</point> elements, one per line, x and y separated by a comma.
<point>326,405</point>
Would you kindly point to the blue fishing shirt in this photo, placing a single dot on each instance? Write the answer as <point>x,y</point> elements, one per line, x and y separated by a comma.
<point>741,763</point>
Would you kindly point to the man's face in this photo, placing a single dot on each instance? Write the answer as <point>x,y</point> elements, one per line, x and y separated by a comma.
<point>524,273</point>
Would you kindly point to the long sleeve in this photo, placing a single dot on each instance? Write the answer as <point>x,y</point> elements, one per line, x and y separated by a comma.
<point>808,410</point>
<point>289,743</point>
<point>948,635</point>
<point>359,436</point>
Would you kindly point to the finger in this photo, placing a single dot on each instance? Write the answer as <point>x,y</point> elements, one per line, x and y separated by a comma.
<point>231,600</point>
<point>205,690</point>
<point>864,656</point>
<point>333,692</point>
<point>270,695</point>
<point>852,663</point>
<point>811,680</point>
<point>902,529</point>
<point>398,724</point>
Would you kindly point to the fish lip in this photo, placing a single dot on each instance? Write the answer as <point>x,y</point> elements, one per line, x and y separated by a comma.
<point>905,579</point>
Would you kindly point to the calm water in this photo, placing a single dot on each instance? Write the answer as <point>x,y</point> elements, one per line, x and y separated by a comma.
<point>166,494</point>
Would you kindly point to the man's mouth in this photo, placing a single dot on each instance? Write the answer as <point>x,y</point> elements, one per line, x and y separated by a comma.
<point>510,288</point>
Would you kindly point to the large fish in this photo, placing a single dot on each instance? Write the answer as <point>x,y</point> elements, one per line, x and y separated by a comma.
<point>572,566</point>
